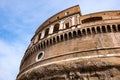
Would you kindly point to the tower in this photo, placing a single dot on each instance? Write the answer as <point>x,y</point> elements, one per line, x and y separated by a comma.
<point>72,46</point>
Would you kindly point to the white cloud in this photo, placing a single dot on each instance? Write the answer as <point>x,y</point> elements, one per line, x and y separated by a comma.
<point>10,57</point>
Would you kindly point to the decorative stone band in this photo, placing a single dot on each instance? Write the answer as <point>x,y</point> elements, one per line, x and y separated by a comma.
<point>81,64</point>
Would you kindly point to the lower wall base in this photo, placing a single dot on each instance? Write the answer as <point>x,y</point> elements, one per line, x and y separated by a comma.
<point>106,68</point>
<point>108,74</point>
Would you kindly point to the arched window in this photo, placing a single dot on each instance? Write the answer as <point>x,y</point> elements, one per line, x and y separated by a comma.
<point>67,25</point>
<point>118,27</point>
<point>108,28</point>
<point>41,45</point>
<point>39,36</point>
<point>47,42</point>
<point>40,56</point>
<point>103,29</point>
<point>46,32</point>
<point>56,28</point>
<point>57,38</point>
<point>79,33</point>
<point>114,28</point>
<point>74,34</point>
<point>83,32</point>
<point>44,44</point>
<point>98,30</point>
<point>93,30</point>
<point>65,36</point>
<point>61,37</point>
<point>70,35</point>
<point>54,41</point>
<point>50,41</point>
<point>88,31</point>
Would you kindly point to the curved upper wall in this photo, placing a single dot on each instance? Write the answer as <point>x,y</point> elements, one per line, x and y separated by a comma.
<point>100,16</point>
<point>105,15</point>
<point>60,18</point>
<point>60,15</point>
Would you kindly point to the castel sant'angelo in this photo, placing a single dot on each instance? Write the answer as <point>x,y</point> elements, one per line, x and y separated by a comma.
<point>72,46</point>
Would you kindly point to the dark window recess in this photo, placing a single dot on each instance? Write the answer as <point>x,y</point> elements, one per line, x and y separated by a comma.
<point>74,34</point>
<point>91,19</point>
<point>67,25</point>
<point>103,29</point>
<point>61,37</point>
<point>98,30</point>
<point>58,17</point>
<point>54,40</point>
<point>47,42</point>
<point>79,33</point>
<point>118,27</point>
<point>93,30</point>
<point>108,28</point>
<point>58,38</point>
<point>88,31</point>
<point>67,13</point>
<point>50,41</point>
<point>114,28</point>
<point>46,32</point>
<point>84,32</point>
<point>65,36</point>
<point>70,35</point>
<point>56,28</point>
<point>40,55</point>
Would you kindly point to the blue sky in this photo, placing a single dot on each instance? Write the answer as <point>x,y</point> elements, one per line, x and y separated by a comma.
<point>20,18</point>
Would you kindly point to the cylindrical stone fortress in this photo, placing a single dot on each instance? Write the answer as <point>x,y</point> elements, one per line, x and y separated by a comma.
<point>72,46</point>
